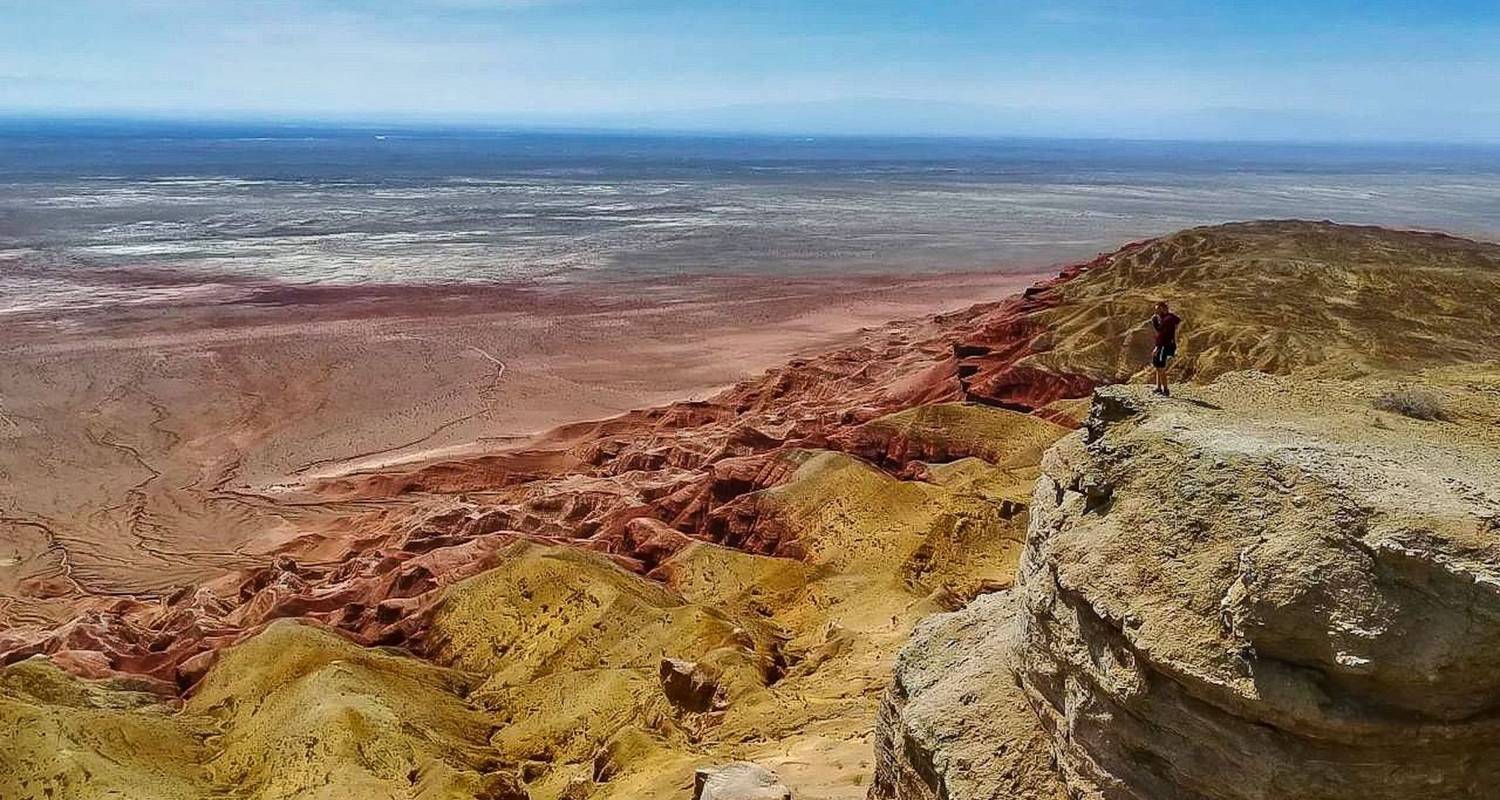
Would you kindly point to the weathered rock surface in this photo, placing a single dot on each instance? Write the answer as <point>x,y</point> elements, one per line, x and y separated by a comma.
<point>778,541</point>
<point>738,781</point>
<point>61,737</point>
<point>296,711</point>
<point>906,394</point>
<point>954,724</point>
<point>1269,591</point>
<point>1277,296</point>
<point>572,650</point>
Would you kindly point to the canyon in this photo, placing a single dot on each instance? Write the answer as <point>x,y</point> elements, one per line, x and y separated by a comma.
<point>961,556</point>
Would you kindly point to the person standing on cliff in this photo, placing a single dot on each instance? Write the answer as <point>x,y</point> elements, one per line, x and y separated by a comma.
<point>1165,323</point>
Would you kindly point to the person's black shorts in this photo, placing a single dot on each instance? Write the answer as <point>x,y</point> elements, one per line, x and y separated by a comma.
<point>1162,354</point>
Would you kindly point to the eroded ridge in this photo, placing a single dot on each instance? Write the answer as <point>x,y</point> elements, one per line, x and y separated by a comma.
<point>1279,593</point>
<point>1231,582</point>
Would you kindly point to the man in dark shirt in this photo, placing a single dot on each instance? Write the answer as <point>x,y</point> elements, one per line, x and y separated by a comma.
<point>1165,323</point>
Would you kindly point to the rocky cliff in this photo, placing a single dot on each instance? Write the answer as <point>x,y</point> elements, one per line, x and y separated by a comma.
<point>1267,587</point>
<point>1277,593</point>
<point>1273,589</point>
<point>954,723</point>
<point>1265,578</point>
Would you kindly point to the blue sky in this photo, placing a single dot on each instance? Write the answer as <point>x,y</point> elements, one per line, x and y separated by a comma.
<point>1269,69</point>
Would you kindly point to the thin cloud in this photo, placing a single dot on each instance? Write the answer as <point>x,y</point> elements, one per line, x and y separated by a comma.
<point>1094,64</point>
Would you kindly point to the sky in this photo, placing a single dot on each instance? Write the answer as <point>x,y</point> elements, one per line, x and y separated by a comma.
<point>1293,69</point>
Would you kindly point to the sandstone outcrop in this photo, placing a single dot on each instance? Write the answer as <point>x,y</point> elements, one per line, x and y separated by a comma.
<point>1270,591</point>
<point>363,562</point>
<point>606,608</point>
<point>954,724</point>
<point>571,649</point>
<point>65,737</point>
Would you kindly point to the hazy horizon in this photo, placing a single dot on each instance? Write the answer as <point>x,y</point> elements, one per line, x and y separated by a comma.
<point>84,211</point>
<point>701,123</point>
<point>1160,70</point>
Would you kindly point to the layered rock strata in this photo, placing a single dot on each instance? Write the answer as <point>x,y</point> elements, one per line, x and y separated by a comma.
<point>617,604</point>
<point>1269,591</point>
<point>368,551</point>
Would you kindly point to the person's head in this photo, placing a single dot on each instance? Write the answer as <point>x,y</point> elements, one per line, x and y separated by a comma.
<point>1161,307</point>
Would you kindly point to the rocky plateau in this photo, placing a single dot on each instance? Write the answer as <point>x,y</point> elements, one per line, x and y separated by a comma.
<point>963,558</point>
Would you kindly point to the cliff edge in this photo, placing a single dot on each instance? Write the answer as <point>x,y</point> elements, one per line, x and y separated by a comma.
<point>1279,584</point>
<point>1273,589</point>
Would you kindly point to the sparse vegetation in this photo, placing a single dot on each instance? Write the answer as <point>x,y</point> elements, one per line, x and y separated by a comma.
<point>1414,403</point>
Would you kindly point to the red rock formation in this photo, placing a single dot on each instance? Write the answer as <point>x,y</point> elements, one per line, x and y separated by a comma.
<point>638,487</point>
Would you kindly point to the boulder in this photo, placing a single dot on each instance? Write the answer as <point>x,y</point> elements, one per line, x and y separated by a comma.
<point>740,780</point>
<point>688,685</point>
